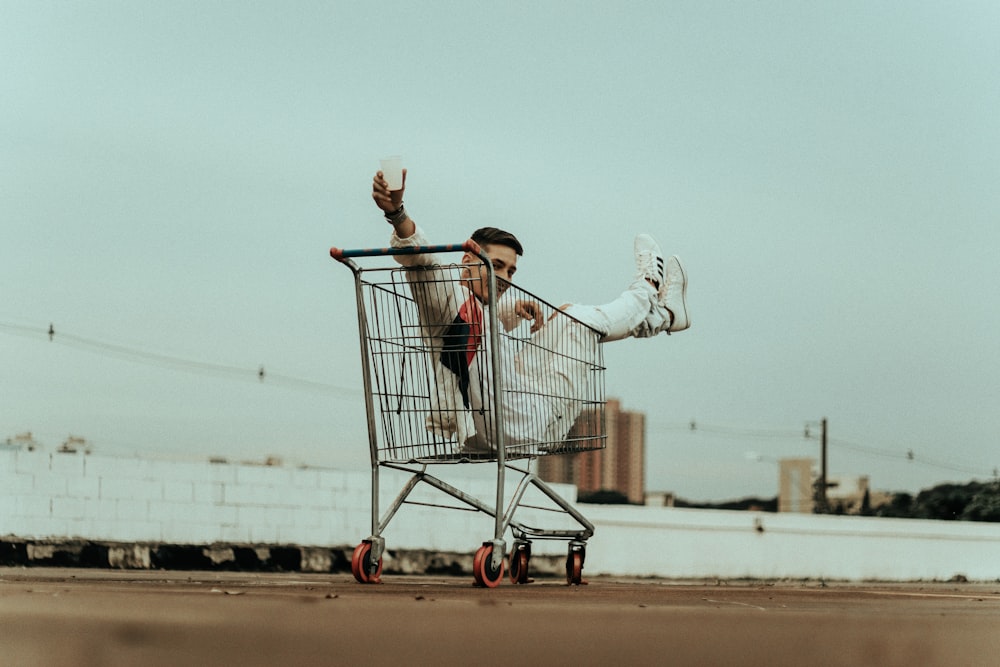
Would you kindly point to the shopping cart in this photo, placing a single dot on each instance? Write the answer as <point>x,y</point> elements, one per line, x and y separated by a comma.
<point>449,382</point>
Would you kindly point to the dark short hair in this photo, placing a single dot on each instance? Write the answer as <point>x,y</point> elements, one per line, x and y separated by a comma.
<point>492,235</point>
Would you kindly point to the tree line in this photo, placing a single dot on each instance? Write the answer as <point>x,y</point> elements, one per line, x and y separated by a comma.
<point>973,501</point>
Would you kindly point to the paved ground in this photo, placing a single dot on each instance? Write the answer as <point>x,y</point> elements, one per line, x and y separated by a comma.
<point>86,618</point>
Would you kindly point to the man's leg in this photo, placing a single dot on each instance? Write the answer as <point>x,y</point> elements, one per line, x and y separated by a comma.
<point>638,310</point>
<point>557,362</point>
<point>635,312</point>
<point>556,369</point>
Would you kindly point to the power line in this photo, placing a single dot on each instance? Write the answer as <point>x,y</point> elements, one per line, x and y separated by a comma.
<point>694,427</point>
<point>260,374</point>
<point>171,362</point>
<point>909,456</point>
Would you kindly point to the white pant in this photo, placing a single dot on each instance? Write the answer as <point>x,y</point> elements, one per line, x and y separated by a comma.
<point>636,312</point>
<point>553,370</point>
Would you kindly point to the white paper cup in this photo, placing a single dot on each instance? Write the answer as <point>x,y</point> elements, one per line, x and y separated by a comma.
<point>392,171</point>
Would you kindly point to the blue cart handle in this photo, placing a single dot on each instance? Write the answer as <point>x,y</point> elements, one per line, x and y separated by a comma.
<point>340,254</point>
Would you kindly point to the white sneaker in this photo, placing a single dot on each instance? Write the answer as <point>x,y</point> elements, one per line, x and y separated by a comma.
<point>649,260</point>
<point>673,296</point>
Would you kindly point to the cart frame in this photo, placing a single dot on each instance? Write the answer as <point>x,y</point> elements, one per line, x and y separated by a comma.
<point>488,563</point>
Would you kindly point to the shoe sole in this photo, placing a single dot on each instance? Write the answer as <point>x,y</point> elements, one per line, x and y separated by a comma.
<point>684,305</point>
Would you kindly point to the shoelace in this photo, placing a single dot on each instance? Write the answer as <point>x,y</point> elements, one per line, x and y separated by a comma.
<point>645,265</point>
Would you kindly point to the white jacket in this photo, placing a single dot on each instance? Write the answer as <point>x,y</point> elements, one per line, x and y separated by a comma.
<point>462,398</point>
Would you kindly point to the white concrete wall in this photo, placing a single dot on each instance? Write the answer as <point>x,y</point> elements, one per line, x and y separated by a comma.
<point>60,496</point>
<point>57,496</point>
<point>728,544</point>
<point>53,495</point>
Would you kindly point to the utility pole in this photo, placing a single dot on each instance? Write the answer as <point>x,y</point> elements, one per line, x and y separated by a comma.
<point>822,481</point>
<point>822,506</point>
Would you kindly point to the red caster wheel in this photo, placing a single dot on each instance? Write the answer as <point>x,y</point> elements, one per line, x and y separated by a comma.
<point>361,564</point>
<point>482,569</point>
<point>519,557</point>
<point>574,567</point>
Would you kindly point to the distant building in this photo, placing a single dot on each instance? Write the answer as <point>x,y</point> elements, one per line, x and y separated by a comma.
<point>74,444</point>
<point>846,495</point>
<point>620,466</point>
<point>660,499</point>
<point>23,441</point>
<point>797,484</point>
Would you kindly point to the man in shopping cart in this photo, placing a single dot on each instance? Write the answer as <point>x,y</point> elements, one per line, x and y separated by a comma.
<point>654,303</point>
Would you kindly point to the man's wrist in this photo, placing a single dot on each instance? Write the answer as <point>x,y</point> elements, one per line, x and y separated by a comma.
<point>396,217</point>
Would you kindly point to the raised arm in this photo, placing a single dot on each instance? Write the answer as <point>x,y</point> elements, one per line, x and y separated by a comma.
<point>433,287</point>
<point>391,203</point>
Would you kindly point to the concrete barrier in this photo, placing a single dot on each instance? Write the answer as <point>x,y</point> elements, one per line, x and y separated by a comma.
<point>61,508</point>
<point>729,544</point>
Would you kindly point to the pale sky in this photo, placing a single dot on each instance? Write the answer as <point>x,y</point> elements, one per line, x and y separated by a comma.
<point>173,174</point>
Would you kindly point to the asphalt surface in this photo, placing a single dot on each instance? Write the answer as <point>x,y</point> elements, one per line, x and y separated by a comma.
<point>84,617</point>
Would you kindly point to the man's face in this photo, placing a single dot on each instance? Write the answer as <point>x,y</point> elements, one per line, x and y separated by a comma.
<point>504,261</point>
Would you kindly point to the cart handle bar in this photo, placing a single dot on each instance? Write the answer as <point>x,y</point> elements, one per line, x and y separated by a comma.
<point>340,254</point>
